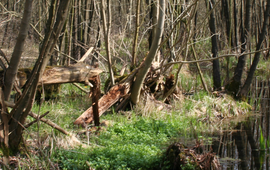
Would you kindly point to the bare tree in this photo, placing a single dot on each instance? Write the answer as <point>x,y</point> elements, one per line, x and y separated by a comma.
<point>216,67</point>
<point>18,49</point>
<point>12,127</point>
<point>106,31</point>
<point>135,43</point>
<point>257,56</point>
<point>136,89</point>
<point>235,84</point>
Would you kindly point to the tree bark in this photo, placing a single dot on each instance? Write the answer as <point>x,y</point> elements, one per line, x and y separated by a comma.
<point>78,73</point>
<point>136,35</point>
<point>154,20</point>
<point>216,67</point>
<point>105,102</point>
<point>58,14</point>
<point>234,86</point>
<point>256,59</point>
<point>227,17</point>
<point>106,31</point>
<point>18,49</point>
<point>111,97</point>
<point>137,85</point>
<point>95,98</point>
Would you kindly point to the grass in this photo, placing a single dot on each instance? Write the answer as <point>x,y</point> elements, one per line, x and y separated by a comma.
<point>134,139</point>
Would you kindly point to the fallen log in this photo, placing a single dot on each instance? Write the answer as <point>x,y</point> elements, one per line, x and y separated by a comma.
<point>110,98</point>
<point>105,102</point>
<point>79,73</point>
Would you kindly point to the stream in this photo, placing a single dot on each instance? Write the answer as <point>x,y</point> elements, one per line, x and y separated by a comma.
<point>246,144</point>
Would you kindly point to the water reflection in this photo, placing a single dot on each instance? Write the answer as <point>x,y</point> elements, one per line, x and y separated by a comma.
<point>247,146</point>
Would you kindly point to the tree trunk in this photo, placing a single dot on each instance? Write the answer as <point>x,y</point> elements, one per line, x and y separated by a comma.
<point>234,86</point>
<point>256,59</point>
<point>216,68</point>
<point>110,98</point>
<point>137,85</point>
<point>95,98</point>
<point>154,20</point>
<point>77,73</point>
<point>58,14</point>
<point>18,49</point>
<point>227,17</point>
<point>136,35</point>
<point>75,40</point>
<point>235,25</point>
<point>106,31</point>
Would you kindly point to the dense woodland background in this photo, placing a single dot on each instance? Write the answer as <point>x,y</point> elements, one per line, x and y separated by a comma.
<point>163,35</point>
<point>211,28</point>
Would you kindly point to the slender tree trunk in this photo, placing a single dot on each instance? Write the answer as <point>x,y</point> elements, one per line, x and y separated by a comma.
<point>235,25</point>
<point>86,19</point>
<point>227,17</point>
<point>70,32</point>
<point>171,39</point>
<point>106,30</point>
<point>75,41</point>
<point>216,67</point>
<point>58,14</point>
<point>234,86</point>
<point>18,50</point>
<point>154,20</point>
<point>7,26</point>
<point>81,43</point>
<point>135,43</point>
<point>137,85</point>
<point>256,59</point>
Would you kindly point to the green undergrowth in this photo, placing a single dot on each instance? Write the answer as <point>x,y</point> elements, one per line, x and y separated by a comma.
<point>134,139</point>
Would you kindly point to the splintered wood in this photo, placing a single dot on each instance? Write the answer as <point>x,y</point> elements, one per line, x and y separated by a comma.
<point>105,102</point>
<point>79,73</point>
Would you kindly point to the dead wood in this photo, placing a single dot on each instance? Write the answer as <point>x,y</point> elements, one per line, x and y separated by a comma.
<point>39,117</point>
<point>121,93</point>
<point>178,155</point>
<point>95,97</point>
<point>105,102</point>
<point>49,122</point>
<point>110,98</point>
<point>79,73</point>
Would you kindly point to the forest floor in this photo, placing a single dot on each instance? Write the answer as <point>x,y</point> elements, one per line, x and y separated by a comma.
<point>135,139</point>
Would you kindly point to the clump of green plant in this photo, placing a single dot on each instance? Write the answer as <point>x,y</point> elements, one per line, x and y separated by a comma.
<point>134,139</point>
<point>131,144</point>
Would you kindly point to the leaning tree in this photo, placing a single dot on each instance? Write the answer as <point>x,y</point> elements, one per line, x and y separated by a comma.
<point>11,127</point>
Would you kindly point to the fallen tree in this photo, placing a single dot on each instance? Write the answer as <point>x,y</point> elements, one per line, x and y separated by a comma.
<point>77,73</point>
<point>110,98</point>
<point>121,93</point>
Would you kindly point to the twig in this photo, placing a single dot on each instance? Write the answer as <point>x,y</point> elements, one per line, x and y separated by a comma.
<point>211,59</point>
<point>41,36</point>
<point>39,117</point>
<point>86,54</point>
<point>78,86</point>
<point>52,124</point>
<point>47,121</point>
